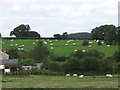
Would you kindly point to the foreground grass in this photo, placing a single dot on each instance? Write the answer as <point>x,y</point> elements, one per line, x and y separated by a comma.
<point>34,81</point>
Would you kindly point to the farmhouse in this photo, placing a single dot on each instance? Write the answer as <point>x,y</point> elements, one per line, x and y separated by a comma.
<point>4,59</point>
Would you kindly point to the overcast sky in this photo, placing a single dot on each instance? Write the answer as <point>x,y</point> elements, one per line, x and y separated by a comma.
<point>48,17</point>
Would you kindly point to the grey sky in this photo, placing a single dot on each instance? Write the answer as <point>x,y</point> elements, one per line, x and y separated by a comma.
<point>57,16</point>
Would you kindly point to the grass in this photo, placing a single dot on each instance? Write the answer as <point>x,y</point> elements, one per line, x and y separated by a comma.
<point>59,47</point>
<point>34,81</point>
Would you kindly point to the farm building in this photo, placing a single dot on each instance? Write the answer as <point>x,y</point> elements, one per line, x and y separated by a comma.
<point>4,59</point>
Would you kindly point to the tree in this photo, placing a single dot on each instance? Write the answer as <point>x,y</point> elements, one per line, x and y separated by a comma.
<point>118,35</point>
<point>34,34</point>
<point>78,54</point>
<point>39,52</point>
<point>95,53</point>
<point>106,33</point>
<point>72,65</point>
<point>13,53</point>
<point>89,64</point>
<point>57,36</point>
<point>64,35</point>
<point>116,56</point>
<point>23,31</point>
<point>55,66</point>
<point>27,62</point>
<point>105,66</point>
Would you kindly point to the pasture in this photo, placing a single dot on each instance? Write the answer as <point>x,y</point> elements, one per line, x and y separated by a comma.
<point>40,81</point>
<point>59,47</point>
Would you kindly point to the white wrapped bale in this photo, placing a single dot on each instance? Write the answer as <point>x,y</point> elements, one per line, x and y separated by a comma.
<point>75,75</point>
<point>108,75</point>
<point>67,75</point>
<point>81,76</point>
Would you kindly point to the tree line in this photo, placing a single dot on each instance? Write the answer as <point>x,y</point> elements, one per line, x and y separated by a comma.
<point>109,33</point>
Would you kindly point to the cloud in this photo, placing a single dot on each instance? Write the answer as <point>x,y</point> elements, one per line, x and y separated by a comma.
<point>57,16</point>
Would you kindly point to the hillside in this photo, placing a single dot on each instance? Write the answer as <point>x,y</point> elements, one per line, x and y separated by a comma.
<point>83,35</point>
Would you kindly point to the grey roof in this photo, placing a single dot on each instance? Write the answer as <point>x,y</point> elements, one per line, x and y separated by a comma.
<point>9,61</point>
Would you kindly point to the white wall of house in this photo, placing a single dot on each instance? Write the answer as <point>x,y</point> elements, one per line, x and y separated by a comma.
<point>3,56</point>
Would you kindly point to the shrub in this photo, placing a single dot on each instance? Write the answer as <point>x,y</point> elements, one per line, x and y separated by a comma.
<point>12,67</point>
<point>95,53</point>
<point>72,65</point>
<point>60,58</point>
<point>55,66</point>
<point>105,66</point>
<point>99,43</point>
<point>27,62</point>
<point>116,56</point>
<point>39,52</point>
<point>85,43</point>
<point>89,64</point>
<point>78,54</point>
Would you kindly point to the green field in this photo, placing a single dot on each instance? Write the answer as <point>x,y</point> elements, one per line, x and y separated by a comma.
<point>59,47</point>
<point>34,81</point>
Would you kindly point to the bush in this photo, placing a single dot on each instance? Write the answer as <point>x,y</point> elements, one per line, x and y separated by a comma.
<point>72,65</point>
<point>89,64</point>
<point>95,53</point>
<point>105,66</point>
<point>85,43</point>
<point>116,56</point>
<point>39,52</point>
<point>78,54</point>
<point>12,67</point>
<point>60,58</point>
<point>55,66</point>
<point>27,62</point>
<point>99,43</point>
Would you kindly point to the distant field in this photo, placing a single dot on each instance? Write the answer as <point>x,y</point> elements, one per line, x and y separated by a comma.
<point>39,81</point>
<point>59,47</point>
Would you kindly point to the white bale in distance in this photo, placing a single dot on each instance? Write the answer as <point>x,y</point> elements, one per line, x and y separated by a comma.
<point>33,43</point>
<point>108,75</point>
<point>75,75</point>
<point>68,41</point>
<point>90,42</point>
<point>67,75</point>
<point>83,50</point>
<point>81,76</point>
<point>7,70</point>
<point>45,42</point>
<point>89,46</point>
<point>51,44</point>
<point>73,43</point>
<point>108,45</point>
<point>97,41</point>
<point>23,45</point>
<point>11,44</point>
<point>51,48</point>
<point>75,50</point>
<point>16,44</point>
<point>66,44</point>
<point>102,42</point>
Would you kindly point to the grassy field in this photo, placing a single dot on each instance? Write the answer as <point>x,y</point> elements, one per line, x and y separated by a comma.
<point>34,81</point>
<point>59,47</point>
